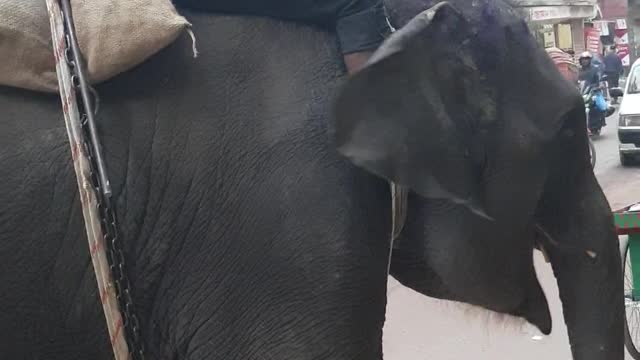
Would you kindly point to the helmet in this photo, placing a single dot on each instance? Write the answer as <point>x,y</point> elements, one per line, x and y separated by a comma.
<point>586,55</point>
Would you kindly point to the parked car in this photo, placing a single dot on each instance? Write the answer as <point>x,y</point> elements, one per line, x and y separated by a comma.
<point>629,123</point>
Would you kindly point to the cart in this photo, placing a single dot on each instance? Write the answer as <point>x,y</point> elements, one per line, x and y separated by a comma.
<point>627,221</point>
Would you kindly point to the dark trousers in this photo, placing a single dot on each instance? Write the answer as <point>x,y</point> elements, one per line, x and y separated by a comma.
<point>613,79</point>
<point>596,118</point>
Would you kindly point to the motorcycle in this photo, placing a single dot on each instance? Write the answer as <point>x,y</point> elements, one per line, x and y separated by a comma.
<point>592,154</point>
<point>597,108</point>
<point>587,98</point>
<point>594,123</point>
<point>610,95</point>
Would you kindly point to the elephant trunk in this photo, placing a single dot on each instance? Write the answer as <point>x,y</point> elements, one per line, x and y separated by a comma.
<point>592,297</point>
<point>586,261</point>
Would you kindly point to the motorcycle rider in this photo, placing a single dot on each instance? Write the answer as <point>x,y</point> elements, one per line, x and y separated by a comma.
<point>591,77</point>
<point>588,73</point>
<point>361,25</point>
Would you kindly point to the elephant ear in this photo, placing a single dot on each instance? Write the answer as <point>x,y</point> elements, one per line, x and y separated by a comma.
<point>428,106</point>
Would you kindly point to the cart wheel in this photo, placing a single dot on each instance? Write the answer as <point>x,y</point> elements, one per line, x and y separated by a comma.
<point>632,310</point>
<point>592,154</point>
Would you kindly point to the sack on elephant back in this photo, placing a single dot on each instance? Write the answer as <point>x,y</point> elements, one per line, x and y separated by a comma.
<point>114,36</point>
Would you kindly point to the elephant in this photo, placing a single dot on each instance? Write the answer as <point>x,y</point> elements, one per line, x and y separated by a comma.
<point>252,192</point>
<point>500,147</point>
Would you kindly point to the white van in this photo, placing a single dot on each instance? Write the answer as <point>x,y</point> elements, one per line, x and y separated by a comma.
<point>629,112</point>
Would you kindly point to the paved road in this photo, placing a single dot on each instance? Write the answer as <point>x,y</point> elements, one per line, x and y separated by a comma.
<point>419,328</point>
<point>621,184</point>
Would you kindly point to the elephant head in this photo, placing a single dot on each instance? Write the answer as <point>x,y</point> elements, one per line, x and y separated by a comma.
<point>461,107</point>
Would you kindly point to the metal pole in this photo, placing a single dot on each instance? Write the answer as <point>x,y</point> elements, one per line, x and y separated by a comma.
<point>88,194</point>
<point>86,98</point>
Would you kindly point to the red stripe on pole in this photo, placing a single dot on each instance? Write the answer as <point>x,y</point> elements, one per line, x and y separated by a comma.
<point>117,330</point>
<point>95,247</point>
<point>60,49</point>
<point>103,295</point>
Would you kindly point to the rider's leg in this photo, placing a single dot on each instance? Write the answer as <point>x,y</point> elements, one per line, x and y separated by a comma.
<point>356,61</point>
<point>361,27</point>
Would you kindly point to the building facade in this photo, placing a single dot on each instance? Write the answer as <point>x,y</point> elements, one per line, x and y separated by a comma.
<point>559,23</point>
<point>612,26</point>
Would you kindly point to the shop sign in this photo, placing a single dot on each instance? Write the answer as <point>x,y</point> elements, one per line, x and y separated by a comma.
<point>542,13</point>
<point>545,13</point>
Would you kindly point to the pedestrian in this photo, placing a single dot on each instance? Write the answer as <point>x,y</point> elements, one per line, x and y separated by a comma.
<point>613,67</point>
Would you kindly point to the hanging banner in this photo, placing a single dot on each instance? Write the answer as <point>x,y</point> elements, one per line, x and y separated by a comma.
<point>592,40</point>
<point>624,55</point>
<point>621,24</point>
<point>622,44</point>
<point>602,26</point>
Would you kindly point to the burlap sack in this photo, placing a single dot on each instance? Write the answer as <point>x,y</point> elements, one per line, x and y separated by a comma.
<point>26,57</point>
<point>114,36</point>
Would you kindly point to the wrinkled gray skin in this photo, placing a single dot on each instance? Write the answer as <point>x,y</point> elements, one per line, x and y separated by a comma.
<point>248,237</point>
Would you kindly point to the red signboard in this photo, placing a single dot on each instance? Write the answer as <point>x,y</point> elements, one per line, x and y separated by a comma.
<point>622,43</point>
<point>592,40</point>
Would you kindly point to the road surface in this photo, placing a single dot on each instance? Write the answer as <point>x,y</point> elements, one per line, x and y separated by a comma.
<point>420,328</point>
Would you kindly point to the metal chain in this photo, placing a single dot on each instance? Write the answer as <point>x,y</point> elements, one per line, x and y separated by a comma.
<point>112,239</point>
